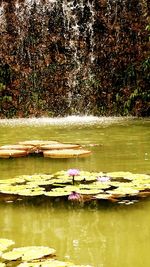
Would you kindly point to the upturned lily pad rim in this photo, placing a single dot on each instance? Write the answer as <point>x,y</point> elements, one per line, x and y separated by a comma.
<point>38,142</point>
<point>17,147</point>
<point>12,153</point>
<point>59,146</point>
<point>66,153</point>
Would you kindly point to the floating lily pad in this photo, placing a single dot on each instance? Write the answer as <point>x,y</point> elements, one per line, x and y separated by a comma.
<point>66,153</point>
<point>5,243</point>
<point>30,193</point>
<point>38,142</point>
<point>59,146</point>
<point>21,189</point>
<point>96,185</point>
<point>123,191</point>
<point>7,181</point>
<point>68,188</point>
<point>18,147</point>
<point>88,191</point>
<point>56,194</point>
<point>123,175</point>
<point>63,180</point>
<point>28,253</point>
<point>12,153</point>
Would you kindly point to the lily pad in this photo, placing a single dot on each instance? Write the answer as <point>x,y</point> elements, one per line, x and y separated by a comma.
<point>66,153</point>
<point>56,194</point>
<point>89,191</point>
<point>59,146</point>
<point>30,193</point>
<point>96,185</point>
<point>63,180</point>
<point>12,153</point>
<point>124,191</point>
<point>119,174</point>
<point>5,243</point>
<point>28,253</point>
<point>37,142</point>
<point>17,147</point>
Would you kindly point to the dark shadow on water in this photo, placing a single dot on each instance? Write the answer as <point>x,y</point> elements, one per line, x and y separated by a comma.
<point>65,204</point>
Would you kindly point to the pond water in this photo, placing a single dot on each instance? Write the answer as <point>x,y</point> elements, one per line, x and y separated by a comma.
<point>104,236</point>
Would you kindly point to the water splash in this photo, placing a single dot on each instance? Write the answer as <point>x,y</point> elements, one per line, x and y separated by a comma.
<point>65,121</point>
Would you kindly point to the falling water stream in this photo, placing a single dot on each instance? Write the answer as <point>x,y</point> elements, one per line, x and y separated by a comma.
<point>104,235</point>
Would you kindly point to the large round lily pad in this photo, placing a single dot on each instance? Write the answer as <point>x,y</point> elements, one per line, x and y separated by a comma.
<point>38,142</point>
<point>12,153</point>
<point>59,146</point>
<point>18,147</point>
<point>28,253</point>
<point>66,153</point>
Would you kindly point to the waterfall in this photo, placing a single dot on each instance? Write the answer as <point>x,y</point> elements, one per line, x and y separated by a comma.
<point>67,57</point>
<point>79,40</point>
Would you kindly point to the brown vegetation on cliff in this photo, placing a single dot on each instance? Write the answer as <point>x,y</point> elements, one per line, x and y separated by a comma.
<point>60,60</point>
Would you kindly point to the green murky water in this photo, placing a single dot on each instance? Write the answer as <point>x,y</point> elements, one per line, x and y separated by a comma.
<point>104,236</point>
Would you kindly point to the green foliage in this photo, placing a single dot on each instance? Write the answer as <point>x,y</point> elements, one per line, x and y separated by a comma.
<point>2,86</point>
<point>7,98</point>
<point>146,65</point>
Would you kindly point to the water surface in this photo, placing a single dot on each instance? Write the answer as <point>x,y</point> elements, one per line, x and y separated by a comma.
<point>104,235</point>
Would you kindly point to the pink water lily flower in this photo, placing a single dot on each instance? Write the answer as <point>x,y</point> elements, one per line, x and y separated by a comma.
<point>73,172</point>
<point>74,196</point>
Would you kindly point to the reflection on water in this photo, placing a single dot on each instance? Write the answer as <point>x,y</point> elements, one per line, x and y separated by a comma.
<point>104,236</point>
<point>100,236</point>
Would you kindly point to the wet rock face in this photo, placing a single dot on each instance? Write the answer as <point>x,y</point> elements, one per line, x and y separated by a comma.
<point>62,57</point>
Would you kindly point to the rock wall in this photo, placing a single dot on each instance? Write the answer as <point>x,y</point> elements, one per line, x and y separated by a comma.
<point>60,57</point>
